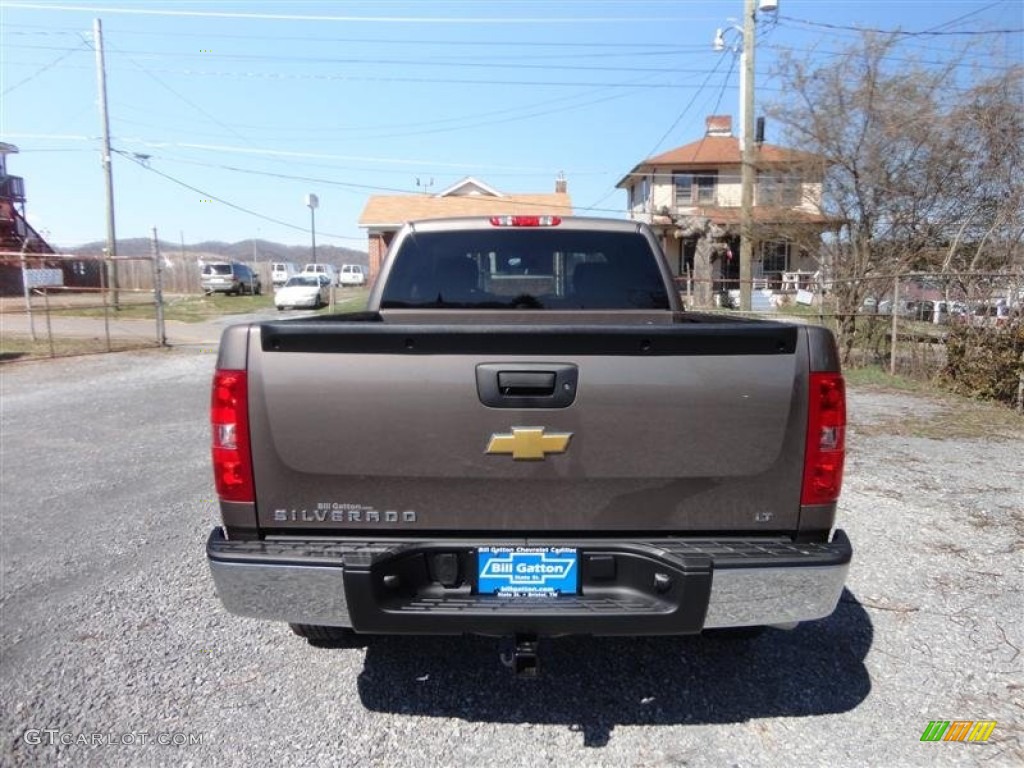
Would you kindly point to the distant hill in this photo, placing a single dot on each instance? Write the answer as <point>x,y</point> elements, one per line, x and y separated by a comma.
<point>246,251</point>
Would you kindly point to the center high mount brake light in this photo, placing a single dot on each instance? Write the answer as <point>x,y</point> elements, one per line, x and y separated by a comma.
<point>526,221</point>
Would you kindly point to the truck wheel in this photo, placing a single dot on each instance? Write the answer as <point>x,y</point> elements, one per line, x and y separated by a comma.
<point>329,637</point>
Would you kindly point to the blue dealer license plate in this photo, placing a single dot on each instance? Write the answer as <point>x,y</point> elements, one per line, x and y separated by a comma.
<point>527,571</point>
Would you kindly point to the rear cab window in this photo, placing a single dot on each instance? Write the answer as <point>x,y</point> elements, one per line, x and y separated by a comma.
<point>525,269</point>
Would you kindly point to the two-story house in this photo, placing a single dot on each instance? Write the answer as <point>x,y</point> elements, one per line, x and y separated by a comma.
<point>693,192</point>
<point>384,215</point>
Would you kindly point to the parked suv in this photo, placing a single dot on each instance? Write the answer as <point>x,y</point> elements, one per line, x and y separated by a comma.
<point>352,274</point>
<point>230,278</point>
<point>321,269</point>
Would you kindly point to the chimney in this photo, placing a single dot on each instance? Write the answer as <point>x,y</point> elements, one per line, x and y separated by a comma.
<point>561,185</point>
<point>718,125</point>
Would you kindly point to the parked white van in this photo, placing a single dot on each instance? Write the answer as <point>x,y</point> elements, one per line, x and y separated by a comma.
<point>281,272</point>
<point>321,269</point>
<point>352,274</point>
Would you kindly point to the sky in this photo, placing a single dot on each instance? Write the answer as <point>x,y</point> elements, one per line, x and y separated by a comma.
<point>224,116</point>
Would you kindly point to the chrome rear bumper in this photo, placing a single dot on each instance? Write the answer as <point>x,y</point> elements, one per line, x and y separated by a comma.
<point>724,583</point>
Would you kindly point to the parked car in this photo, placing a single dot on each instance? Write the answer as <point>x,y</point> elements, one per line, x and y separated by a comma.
<point>322,269</point>
<point>351,274</point>
<point>304,291</point>
<point>230,278</point>
<point>281,272</point>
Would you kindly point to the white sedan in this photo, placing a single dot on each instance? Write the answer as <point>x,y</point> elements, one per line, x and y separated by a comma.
<point>304,291</point>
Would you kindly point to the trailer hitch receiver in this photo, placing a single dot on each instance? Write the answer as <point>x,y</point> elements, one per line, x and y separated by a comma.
<point>523,658</point>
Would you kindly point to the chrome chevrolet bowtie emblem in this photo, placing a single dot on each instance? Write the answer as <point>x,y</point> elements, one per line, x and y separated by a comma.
<point>529,443</point>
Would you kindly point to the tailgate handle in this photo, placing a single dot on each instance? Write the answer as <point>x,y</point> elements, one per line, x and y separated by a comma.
<point>527,385</point>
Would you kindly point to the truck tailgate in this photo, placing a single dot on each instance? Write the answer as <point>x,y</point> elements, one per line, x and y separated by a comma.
<point>377,426</point>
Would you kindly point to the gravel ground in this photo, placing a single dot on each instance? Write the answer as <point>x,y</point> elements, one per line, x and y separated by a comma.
<point>110,629</point>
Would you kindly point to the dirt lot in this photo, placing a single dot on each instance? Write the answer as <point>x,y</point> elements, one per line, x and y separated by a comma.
<point>110,625</point>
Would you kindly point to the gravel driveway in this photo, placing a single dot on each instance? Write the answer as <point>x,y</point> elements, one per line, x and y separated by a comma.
<point>111,634</point>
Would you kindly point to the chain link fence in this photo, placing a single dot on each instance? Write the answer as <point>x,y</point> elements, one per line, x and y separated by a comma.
<point>54,305</point>
<point>965,329</point>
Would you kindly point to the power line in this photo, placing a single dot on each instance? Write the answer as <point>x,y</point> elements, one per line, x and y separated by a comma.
<point>185,99</point>
<point>294,156</point>
<point>235,206</point>
<point>959,19</point>
<point>455,20</point>
<point>307,60</point>
<point>644,47</point>
<point>308,179</point>
<point>406,172</point>
<point>315,180</point>
<point>326,156</point>
<point>423,80</point>
<point>901,32</point>
<point>681,115</point>
<point>679,118</point>
<point>68,52</point>
<point>451,125</point>
<point>895,59</point>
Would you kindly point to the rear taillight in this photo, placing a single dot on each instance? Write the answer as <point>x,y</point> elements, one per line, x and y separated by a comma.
<point>525,221</point>
<point>229,418</point>
<point>826,439</point>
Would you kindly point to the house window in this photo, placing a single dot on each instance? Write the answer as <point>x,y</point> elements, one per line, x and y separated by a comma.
<point>641,193</point>
<point>774,257</point>
<point>782,188</point>
<point>695,188</point>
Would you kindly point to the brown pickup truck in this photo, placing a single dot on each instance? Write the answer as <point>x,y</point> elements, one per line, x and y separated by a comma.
<point>526,435</point>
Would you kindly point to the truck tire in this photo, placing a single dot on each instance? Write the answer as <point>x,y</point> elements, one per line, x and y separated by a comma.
<point>329,637</point>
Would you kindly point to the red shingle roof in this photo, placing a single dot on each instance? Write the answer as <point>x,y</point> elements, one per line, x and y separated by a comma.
<point>716,151</point>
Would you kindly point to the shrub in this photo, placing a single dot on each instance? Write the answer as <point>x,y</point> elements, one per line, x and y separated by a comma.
<point>985,362</point>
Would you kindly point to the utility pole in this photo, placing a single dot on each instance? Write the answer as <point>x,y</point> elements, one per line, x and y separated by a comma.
<point>747,170</point>
<point>101,74</point>
<point>312,201</point>
<point>158,291</point>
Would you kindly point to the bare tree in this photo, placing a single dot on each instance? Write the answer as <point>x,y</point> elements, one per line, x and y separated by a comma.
<point>911,160</point>
<point>990,118</point>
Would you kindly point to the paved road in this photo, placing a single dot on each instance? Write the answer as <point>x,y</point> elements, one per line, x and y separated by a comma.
<point>109,627</point>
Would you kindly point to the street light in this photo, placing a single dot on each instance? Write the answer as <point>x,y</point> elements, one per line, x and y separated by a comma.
<point>312,202</point>
<point>746,50</point>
